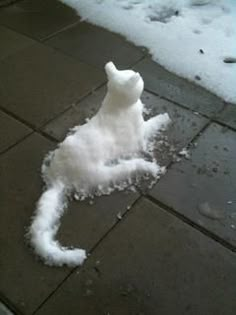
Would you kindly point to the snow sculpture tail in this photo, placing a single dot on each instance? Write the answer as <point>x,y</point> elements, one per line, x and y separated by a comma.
<point>45,224</point>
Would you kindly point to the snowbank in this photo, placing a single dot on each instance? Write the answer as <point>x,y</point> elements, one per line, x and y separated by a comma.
<point>193,38</point>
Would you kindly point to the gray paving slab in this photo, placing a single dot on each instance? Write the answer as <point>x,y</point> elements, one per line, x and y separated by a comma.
<point>12,42</point>
<point>38,19</point>
<point>76,115</point>
<point>25,281</point>
<point>152,263</point>
<point>39,83</point>
<point>11,131</point>
<point>87,222</point>
<point>204,188</point>
<point>96,46</point>
<point>177,89</point>
<point>228,116</point>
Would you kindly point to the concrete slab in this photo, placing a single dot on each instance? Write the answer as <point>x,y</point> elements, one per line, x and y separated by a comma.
<point>176,89</point>
<point>203,189</point>
<point>39,83</point>
<point>228,116</point>
<point>151,264</point>
<point>38,19</point>
<point>12,42</point>
<point>11,131</point>
<point>76,115</point>
<point>96,46</point>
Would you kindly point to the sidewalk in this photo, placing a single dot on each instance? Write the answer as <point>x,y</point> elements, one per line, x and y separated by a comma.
<point>173,251</point>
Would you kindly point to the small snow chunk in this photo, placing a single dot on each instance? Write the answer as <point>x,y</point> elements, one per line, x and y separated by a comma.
<point>132,188</point>
<point>229,202</point>
<point>147,110</point>
<point>176,158</point>
<point>76,196</point>
<point>119,216</point>
<point>163,170</point>
<point>185,153</point>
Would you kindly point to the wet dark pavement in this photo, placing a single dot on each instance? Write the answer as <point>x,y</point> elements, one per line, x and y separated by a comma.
<point>168,250</point>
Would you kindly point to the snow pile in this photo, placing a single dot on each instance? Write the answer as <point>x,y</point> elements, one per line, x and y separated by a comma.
<point>193,38</point>
<point>109,152</point>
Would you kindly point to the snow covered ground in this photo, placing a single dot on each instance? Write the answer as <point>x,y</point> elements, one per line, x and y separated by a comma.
<point>195,39</point>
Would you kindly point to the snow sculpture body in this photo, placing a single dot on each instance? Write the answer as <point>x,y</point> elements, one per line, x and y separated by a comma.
<point>95,158</point>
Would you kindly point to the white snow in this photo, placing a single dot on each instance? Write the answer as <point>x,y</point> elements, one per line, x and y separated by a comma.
<point>104,154</point>
<point>189,37</point>
<point>185,153</point>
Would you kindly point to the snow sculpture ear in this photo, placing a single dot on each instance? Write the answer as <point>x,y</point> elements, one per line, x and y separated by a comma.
<point>134,79</point>
<point>110,69</point>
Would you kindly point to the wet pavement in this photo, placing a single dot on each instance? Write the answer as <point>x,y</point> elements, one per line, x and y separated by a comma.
<point>165,250</point>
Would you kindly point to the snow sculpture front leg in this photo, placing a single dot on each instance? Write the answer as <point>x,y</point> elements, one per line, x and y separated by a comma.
<point>155,125</point>
<point>125,169</point>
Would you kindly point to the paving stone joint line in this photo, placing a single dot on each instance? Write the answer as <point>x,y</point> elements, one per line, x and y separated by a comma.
<point>96,245</point>
<point>192,224</point>
<point>10,305</point>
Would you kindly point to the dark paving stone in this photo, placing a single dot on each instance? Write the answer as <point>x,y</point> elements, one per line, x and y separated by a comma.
<point>11,131</point>
<point>76,115</point>
<point>96,46</point>
<point>12,42</point>
<point>177,89</point>
<point>39,83</point>
<point>204,188</point>
<point>84,224</point>
<point>228,116</point>
<point>37,19</point>
<point>152,263</point>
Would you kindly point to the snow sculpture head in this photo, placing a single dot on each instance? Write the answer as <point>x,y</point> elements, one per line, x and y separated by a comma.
<point>126,85</point>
